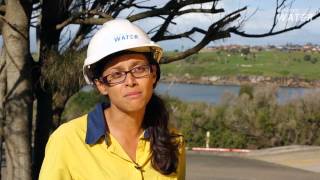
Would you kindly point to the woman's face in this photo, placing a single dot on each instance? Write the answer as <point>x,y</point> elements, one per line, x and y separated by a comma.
<point>133,93</point>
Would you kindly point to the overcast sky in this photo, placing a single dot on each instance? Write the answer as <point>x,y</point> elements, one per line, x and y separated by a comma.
<point>260,22</point>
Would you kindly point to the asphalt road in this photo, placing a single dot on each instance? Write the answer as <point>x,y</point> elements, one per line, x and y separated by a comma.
<point>214,167</point>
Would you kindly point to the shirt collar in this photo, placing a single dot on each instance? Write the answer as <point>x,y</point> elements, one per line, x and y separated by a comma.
<point>97,126</point>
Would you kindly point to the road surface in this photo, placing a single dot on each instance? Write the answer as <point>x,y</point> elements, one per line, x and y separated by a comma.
<point>203,166</point>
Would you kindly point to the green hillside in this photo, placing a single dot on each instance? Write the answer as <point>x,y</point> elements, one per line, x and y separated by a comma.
<point>265,63</point>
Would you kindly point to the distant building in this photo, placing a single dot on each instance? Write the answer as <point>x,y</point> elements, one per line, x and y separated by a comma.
<point>234,48</point>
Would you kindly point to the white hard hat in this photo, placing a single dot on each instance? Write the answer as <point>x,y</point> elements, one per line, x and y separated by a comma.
<point>115,36</point>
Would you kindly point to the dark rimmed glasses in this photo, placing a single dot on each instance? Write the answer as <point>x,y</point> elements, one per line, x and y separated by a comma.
<point>120,76</point>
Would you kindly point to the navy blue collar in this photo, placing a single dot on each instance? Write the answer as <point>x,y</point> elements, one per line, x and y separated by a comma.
<point>97,126</point>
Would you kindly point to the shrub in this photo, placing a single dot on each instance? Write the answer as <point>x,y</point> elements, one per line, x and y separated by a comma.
<point>246,89</point>
<point>307,57</point>
<point>253,119</point>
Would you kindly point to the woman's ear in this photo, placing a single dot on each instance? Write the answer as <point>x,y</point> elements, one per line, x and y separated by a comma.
<point>102,88</point>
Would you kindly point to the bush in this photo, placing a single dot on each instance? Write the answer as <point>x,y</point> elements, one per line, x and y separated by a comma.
<point>307,57</point>
<point>314,60</point>
<point>80,104</point>
<point>246,89</point>
<point>253,119</point>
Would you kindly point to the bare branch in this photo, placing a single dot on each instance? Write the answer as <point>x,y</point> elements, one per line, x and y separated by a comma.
<point>153,29</point>
<point>117,7</point>
<point>35,16</point>
<point>276,14</point>
<point>76,19</point>
<point>206,40</point>
<point>232,16</point>
<point>146,14</point>
<point>80,17</point>
<point>184,35</point>
<point>164,26</point>
<point>80,5</point>
<point>212,11</point>
<point>36,7</point>
<point>165,10</point>
<point>84,29</point>
<point>215,31</point>
<point>131,4</point>
<point>243,34</point>
<point>92,21</point>
<point>290,6</point>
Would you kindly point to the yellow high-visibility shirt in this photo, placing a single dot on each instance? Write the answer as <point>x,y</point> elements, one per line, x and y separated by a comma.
<point>82,149</point>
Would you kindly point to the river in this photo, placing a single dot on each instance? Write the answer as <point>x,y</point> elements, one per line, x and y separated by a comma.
<point>212,93</point>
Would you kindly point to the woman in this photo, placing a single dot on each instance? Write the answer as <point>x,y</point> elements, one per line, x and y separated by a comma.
<point>127,138</point>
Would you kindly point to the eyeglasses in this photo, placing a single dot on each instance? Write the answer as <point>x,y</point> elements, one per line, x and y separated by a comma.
<point>120,76</point>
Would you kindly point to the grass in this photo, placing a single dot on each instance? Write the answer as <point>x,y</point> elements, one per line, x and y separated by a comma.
<point>265,63</point>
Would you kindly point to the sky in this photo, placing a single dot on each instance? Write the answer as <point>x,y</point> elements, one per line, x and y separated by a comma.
<point>261,21</point>
<point>258,22</point>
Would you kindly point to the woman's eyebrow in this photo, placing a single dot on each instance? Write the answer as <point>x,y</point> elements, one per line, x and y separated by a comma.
<point>137,63</point>
<point>121,68</point>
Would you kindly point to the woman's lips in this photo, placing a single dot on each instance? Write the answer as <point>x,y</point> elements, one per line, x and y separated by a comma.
<point>133,94</point>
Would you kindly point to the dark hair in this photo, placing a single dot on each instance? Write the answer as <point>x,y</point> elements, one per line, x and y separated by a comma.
<point>164,144</point>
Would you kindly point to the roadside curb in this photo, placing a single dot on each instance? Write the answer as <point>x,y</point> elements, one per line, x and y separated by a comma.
<point>221,150</point>
<point>253,153</point>
<point>258,152</point>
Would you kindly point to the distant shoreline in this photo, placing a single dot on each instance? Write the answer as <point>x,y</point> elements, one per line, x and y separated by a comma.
<point>244,80</point>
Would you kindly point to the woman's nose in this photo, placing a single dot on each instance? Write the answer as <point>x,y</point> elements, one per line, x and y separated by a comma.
<point>130,80</point>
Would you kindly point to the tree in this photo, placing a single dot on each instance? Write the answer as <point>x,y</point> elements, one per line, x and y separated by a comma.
<point>56,75</point>
<point>16,93</point>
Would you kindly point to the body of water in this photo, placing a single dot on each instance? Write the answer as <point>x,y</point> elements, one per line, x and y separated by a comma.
<point>213,93</point>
